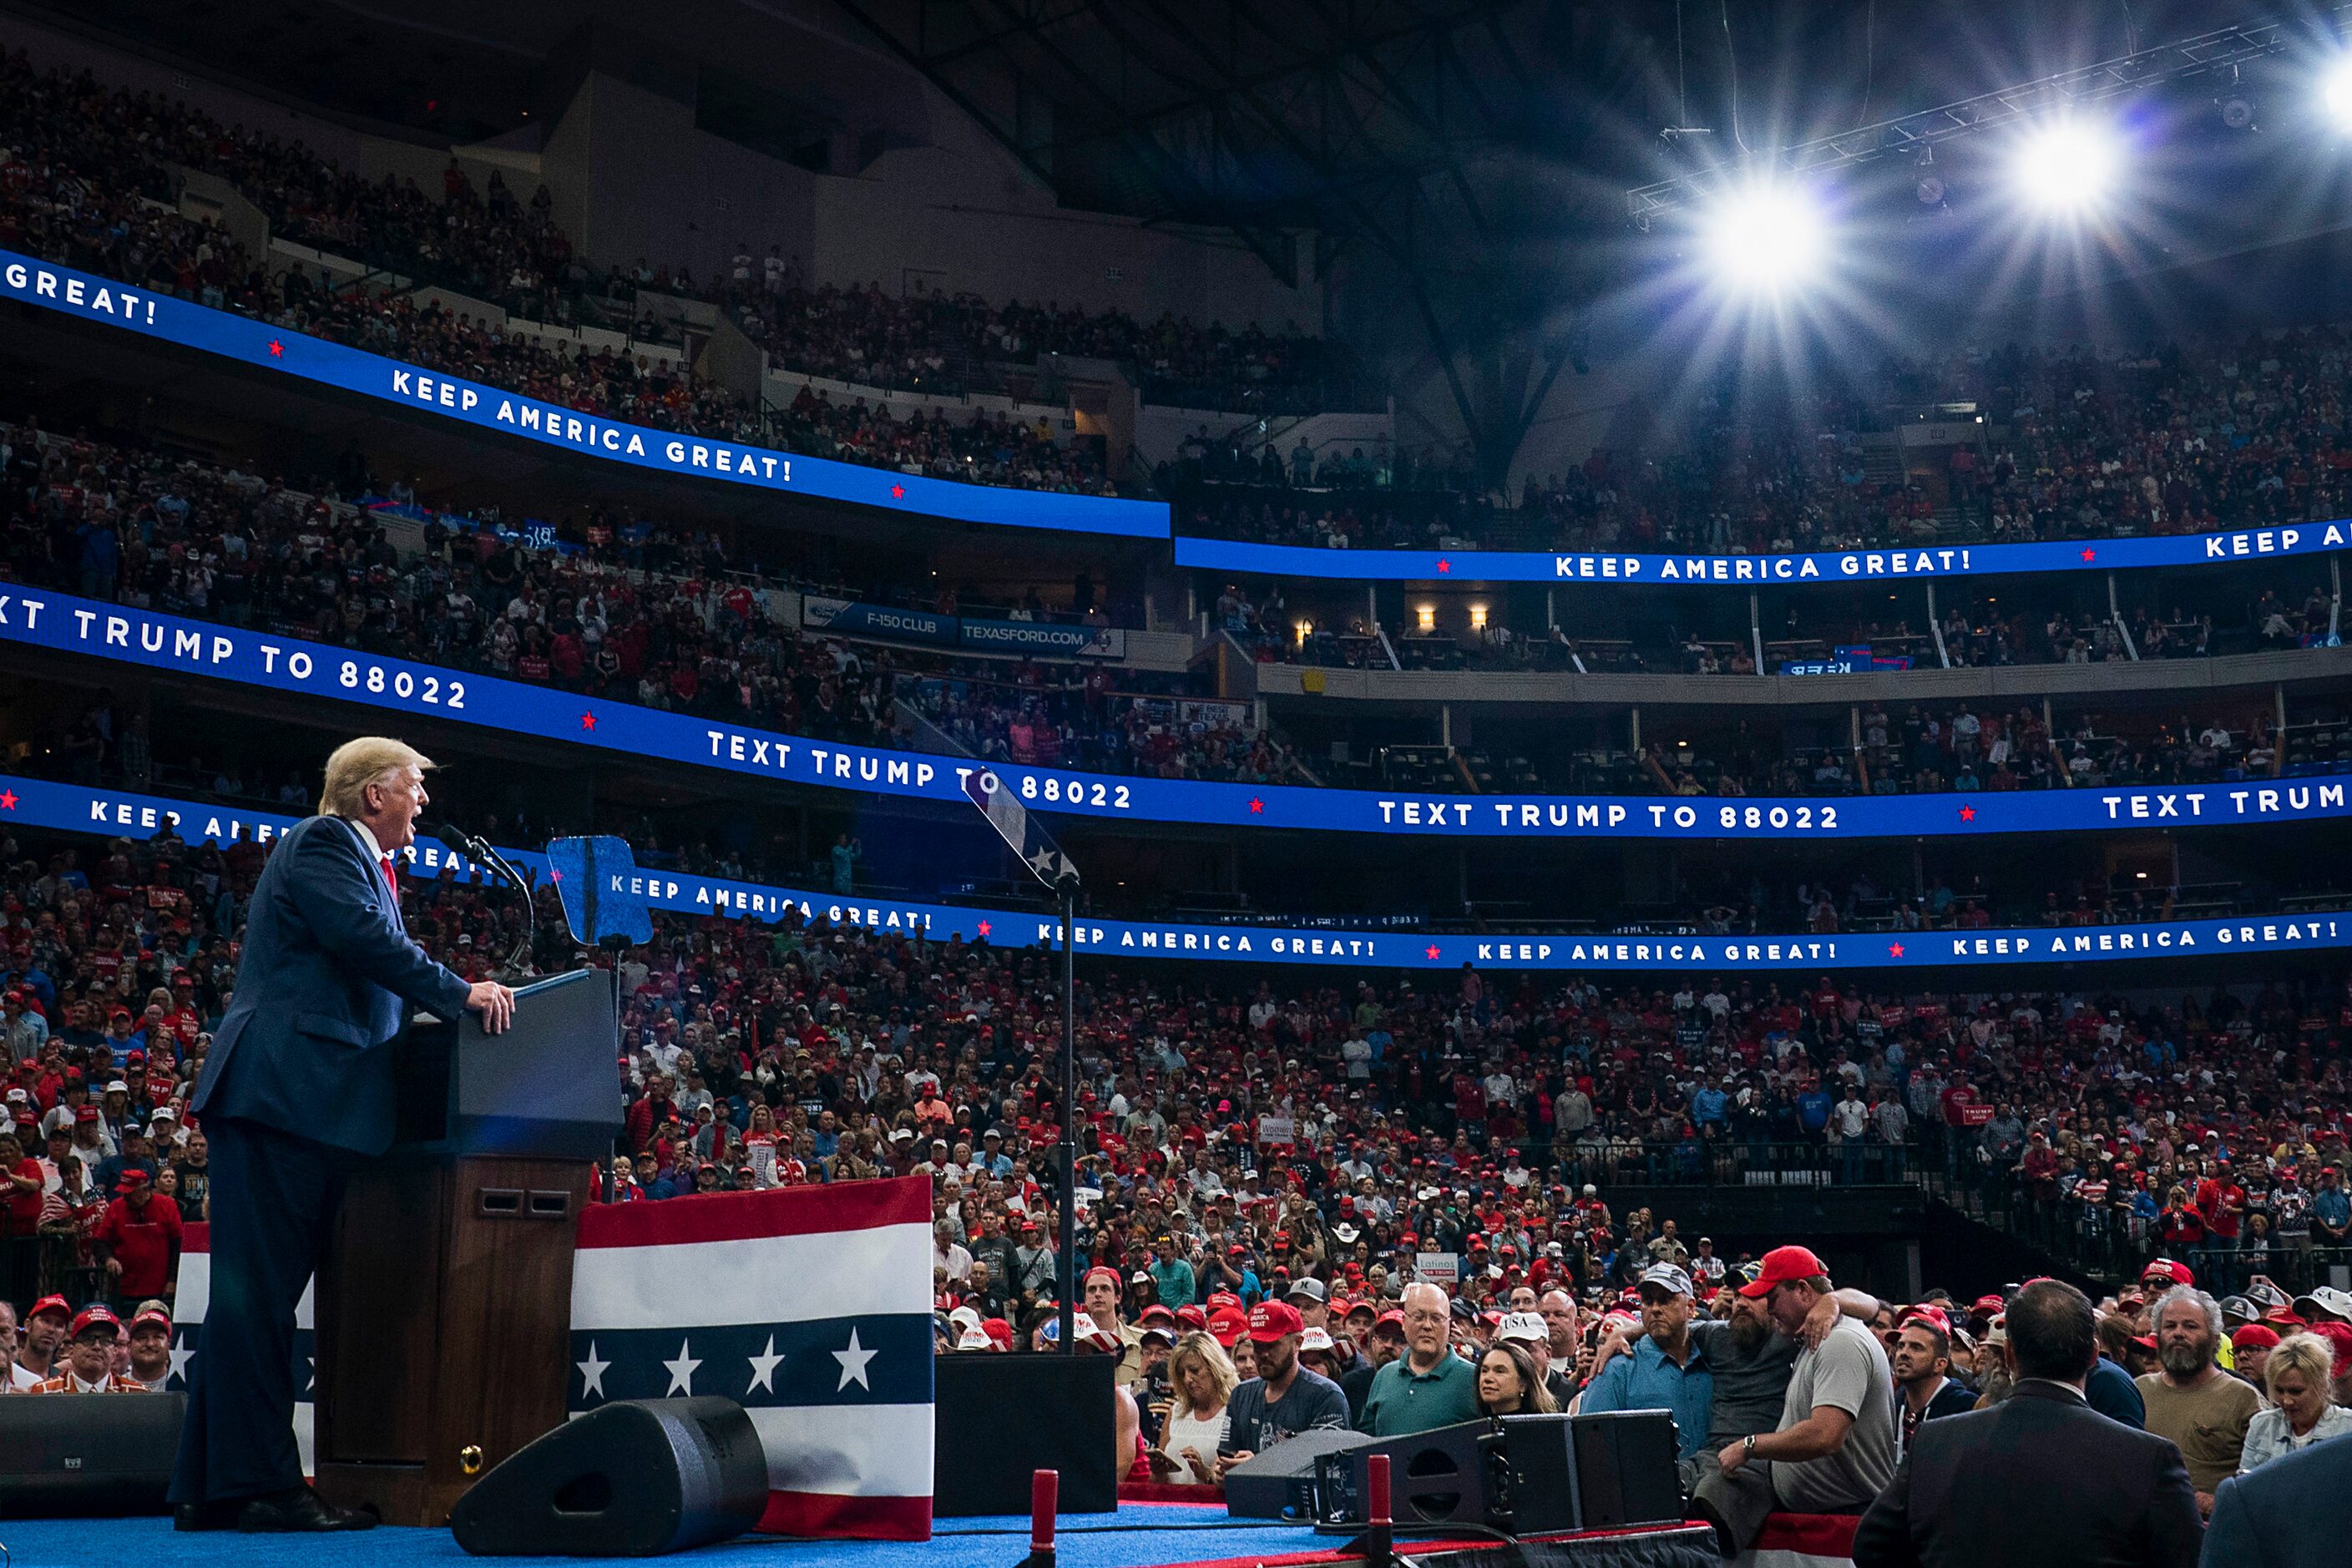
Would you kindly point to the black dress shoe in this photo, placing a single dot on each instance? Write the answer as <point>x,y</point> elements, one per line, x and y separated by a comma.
<point>299,1509</point>
<point>205,1515</point>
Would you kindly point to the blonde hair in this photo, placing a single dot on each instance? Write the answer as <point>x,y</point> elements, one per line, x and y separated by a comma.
<point>2306,1353</point>
<point>359,763</point>
<point>1203,1348</point>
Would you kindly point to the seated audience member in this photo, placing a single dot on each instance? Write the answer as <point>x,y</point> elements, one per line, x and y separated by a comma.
<point>1665,1369</point>
<point>1508,1383</point>
<point>1834,1451</point>
<point>1428,1386</point>
<point>90,1357</point>
<point>151,1347</point>
<point>2040,1478</point>
<point>2299,1375</point>
<point>1285,1398</point>
<point>1201,1383</point>
<point>2202,1409</point>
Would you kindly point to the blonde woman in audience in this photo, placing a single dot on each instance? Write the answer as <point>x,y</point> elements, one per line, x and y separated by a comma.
<point>2300,1377</point>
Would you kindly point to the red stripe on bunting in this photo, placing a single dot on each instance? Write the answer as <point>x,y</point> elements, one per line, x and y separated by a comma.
<point>1811,1534</point>
<point>757,1216</point>
<point>858,1518</point>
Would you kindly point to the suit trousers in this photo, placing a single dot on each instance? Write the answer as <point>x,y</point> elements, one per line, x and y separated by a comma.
<point>274,1197</point>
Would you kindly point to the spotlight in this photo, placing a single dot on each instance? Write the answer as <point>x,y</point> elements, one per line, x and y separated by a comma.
<point>2335,92</point>
<point>1765,239</point>
<point>2068,167</point>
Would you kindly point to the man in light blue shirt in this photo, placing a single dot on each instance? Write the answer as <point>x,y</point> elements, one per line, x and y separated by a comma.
<point>1665,1371</point>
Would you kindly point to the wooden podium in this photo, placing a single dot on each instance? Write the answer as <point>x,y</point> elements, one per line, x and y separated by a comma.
<point>443,1307</point>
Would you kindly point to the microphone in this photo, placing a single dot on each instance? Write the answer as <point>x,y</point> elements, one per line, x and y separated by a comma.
<point>473,846</point>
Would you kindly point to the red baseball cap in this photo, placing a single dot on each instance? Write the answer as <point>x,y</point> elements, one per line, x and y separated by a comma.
<point>92,1316</point>
<point>1227,1325</point>
<point>1923,1313</point>
<point>1102,1271</point>
<point>58,1304</point>
<point>155,1315</point>
<point>2254,1337</point>
<point>1270,1320</point>
<point>2339,1340</point>
<point>1779,1267</point>
<point>2166,1270</point>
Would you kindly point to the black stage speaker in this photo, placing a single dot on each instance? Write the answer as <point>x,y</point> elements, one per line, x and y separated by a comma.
<point>1625,1470</point>
<point>1531,1477</point>
<point>87,1454</point>
<point>632,1479</point>
<point>1280,1482</point>
<point>1001,1417</point>
<point>1434,1478</point>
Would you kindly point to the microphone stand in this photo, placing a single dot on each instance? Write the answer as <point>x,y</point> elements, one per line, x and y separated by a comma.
<point>518,966</point>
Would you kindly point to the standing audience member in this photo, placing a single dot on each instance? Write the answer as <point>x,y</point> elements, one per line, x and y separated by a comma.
<point>90,1357</point>
<point>1665,1370</point>
<point>1428,1386</point>
<point>1285,1398</point>
<point>1923,1361</point>
<point>2039,1478</point>
<point>1201,1382</point>
<point>1508,1383</point>
<point>2191,1400</point>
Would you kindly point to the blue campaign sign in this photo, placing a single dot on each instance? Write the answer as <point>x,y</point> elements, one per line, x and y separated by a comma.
<point>175,645</point>
<point>86,296</point>
<point>1880,567</point>
<point>65,807</point>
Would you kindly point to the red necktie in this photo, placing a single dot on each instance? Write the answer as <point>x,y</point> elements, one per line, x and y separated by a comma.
<point>392,882</point>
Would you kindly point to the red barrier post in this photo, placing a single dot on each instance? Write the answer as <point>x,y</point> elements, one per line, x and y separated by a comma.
<point>1045,1499</point>
<point>1379,1531</point>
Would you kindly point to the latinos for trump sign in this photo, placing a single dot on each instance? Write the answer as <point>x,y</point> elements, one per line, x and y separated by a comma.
<point>177,644</point>
<point>40,803</point>
<point>86,296</point>
<point>809,1306</point>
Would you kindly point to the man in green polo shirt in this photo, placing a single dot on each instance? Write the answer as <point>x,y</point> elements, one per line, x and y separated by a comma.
<point>1428,1385</point>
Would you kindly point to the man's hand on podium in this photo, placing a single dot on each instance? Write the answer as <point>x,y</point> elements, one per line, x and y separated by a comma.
<point>494,1002</point>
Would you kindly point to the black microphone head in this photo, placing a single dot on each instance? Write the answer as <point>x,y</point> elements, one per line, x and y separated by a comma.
<point>447,835</point>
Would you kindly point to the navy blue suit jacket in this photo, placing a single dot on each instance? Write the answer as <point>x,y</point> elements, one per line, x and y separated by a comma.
<point>327,976</point>
<point>2283,1515</point>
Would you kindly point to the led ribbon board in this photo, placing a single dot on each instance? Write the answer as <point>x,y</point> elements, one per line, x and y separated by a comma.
<point>175,645</point>
<point>86,296</point>
<point>1879,567</point>
<point>65,807</point>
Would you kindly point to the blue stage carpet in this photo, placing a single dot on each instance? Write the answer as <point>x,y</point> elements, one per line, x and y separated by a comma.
<point>1125,1540</point>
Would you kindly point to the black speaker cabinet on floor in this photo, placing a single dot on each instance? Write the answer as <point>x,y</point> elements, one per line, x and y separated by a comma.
<point>1434,1478</point>
<point>632,1479</point>
<point>1280,1482</point>
<point>1531,1477</point>
<point>1626,1471</point>
<point>1000,1418</point>
<point>87,1454</point>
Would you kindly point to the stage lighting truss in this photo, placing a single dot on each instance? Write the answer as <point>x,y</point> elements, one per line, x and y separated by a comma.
<point>2068,96</point>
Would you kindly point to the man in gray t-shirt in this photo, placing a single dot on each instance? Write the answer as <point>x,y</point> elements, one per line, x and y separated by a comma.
<point>1833,1449</point>
<point>1848,1373</point>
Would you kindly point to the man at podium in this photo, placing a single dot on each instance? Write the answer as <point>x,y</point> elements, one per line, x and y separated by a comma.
<point>299,1082</point>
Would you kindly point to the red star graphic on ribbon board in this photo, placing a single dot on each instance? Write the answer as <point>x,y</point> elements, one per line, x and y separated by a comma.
<point>588,720</point>
<point>1257,806</point>
<point>1968,814</point>
<point>2090,554</point>
<point>1432,950</point>
<point>7,800</point>
<point>984,928</point>
<point>897,493</point>
<point>555,876</point>
<point>1894,949</point>
<point>276,349</point>
<point>1443,564</point>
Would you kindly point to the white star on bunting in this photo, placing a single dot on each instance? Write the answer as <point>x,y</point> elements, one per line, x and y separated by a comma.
<point>681,1371</point>
<point>853,1364</point>
<point>180,1356</point>
<point>763,1368</point>
<point>592,1372</point>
